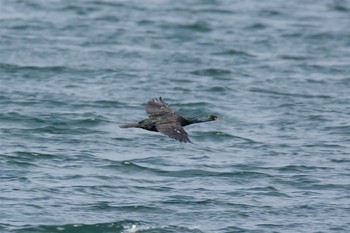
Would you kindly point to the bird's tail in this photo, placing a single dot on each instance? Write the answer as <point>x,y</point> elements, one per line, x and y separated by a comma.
<point>132,125</point>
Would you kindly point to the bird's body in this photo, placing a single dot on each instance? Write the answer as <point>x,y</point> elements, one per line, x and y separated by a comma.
<point>162,119</point>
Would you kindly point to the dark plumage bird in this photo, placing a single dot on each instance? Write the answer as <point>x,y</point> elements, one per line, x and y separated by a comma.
<point>162,119</point>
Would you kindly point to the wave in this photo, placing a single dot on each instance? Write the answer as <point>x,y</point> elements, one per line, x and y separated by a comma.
<point>211,72</point>
<point>189,173</point>
<point>124,226</point>
<point>265,91</point>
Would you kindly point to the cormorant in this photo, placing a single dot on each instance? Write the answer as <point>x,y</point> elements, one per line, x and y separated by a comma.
<point>162,119</point>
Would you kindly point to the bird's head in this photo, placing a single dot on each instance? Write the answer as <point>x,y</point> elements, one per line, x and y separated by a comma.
<point>213,117</point>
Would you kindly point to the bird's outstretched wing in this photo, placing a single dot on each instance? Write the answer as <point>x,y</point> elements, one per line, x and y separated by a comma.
<point>173,130</point>
<point>157,107</point>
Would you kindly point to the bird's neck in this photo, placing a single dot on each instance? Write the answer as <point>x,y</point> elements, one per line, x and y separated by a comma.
<point>189,121</point>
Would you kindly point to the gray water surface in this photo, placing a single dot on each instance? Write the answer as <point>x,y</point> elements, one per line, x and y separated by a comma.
<point>277,72</point>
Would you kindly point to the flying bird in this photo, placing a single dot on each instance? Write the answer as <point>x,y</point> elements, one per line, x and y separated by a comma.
<point>162,119</point>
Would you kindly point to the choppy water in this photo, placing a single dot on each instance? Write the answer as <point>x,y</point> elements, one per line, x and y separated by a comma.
<point>277,71</point>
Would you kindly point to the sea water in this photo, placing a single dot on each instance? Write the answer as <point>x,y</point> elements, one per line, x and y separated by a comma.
<point>277,72</point>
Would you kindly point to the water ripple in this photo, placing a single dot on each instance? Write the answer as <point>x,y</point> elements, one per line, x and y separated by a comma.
<point>265,91</point>
<point>211,72</point>
<point>126,226</point>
